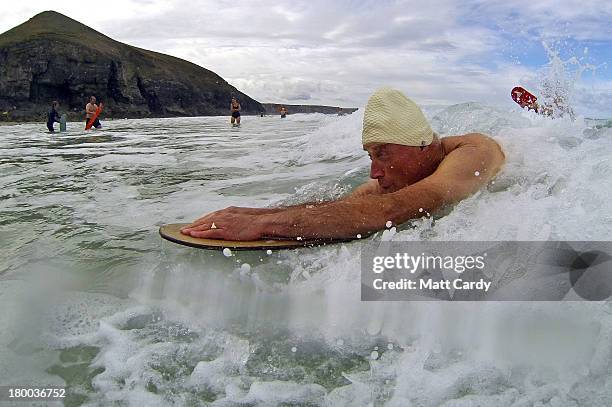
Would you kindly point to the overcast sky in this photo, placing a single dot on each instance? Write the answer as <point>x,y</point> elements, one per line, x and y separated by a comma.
<point>337,52</point>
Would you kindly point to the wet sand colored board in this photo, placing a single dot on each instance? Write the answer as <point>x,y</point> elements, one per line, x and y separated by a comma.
<point>172,232</point>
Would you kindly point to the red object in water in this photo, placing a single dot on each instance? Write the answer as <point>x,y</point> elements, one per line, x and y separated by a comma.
<point>522,97</point>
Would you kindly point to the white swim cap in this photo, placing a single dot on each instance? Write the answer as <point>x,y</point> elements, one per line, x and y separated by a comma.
<point>390,117</point>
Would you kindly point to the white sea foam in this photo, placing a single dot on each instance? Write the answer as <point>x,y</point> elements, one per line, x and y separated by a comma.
<point>174,325</point>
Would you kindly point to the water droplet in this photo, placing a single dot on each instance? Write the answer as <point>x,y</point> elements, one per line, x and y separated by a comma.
<point>268,252</point>
<point>227,252</point>
<point>389,224</point>
<point>420,209</point>
<point>245,268</point>
<point>294,349</point>
<point>477,173</point>
<point>390,346</point>
<point>374,355</point>
<point>358,235</point>
<point>375,347</point>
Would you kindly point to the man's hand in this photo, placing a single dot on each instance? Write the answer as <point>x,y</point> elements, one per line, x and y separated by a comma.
<point>233,223</point>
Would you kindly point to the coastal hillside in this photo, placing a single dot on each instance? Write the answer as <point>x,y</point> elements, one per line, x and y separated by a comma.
<point>53,57</point>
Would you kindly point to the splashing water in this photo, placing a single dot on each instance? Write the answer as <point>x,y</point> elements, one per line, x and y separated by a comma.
<point>93,299</point>
<point>557,81</point>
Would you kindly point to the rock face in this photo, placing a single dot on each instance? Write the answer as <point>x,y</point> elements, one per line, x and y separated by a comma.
<point>52,57</point>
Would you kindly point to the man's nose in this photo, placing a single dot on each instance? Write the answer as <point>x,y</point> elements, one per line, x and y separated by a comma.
<point>376,171</point>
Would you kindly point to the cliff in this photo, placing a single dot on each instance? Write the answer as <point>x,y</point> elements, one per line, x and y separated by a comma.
<point>52,57</point>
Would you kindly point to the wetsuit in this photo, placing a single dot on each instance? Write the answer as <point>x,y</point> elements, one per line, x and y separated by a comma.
<point>52,117</point>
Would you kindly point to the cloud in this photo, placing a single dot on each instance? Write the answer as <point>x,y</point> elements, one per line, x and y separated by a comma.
<point>337,53</point>
<point>325,52</point>
<point>546,19</point>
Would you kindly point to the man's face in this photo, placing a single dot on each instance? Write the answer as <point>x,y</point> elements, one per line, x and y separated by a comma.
<point>395,166</point>
<point>92,100</point>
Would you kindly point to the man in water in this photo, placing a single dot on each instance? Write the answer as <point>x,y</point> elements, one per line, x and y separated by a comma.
<point>283,112</point>
<point>414,173</point>
<point>90,110</point>
<point>235,108</point>
<point>53,116</point>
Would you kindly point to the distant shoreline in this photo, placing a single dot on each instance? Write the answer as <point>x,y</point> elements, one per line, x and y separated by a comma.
<point>72,119</point>
<point>270,109</point>
<point>274,108</point>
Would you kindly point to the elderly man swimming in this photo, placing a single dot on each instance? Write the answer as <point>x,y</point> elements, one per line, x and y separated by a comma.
<point>413,173</point>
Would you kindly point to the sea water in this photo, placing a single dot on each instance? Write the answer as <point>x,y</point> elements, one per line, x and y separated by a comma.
<point>93,299</point>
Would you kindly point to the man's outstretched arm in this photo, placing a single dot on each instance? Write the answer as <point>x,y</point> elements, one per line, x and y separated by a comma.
<point>473,161</point>
<point>369,187</point>
<point>338,219</point>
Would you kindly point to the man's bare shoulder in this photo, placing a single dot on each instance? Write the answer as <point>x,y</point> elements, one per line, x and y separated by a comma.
<point>470,139</point>
<point>470,161</point>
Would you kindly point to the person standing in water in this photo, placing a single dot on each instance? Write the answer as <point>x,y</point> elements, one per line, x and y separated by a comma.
<point>235,108</point>
<point>90,111</point>
<point>283,112</point>
<point>53,116</point>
